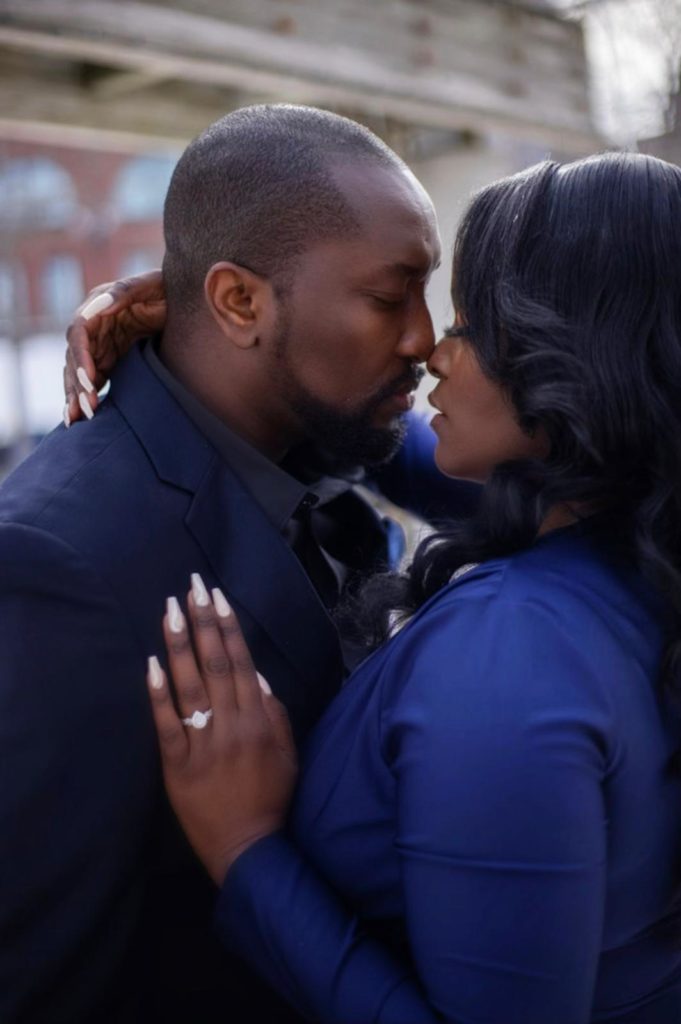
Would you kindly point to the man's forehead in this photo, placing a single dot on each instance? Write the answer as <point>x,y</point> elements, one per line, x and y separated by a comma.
<point>371,186</point>
<point>397,229</point>
<point>407,246</point>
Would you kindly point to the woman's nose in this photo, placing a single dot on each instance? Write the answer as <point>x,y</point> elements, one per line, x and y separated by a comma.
<point>437,363</point>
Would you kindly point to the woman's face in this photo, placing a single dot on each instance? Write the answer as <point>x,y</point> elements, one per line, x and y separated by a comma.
<point>476,426</point>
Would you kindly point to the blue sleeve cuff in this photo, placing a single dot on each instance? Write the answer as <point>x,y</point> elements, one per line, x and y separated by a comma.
<point>276,912</point>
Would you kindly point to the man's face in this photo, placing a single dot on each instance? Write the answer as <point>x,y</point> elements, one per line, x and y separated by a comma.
<point>354,324</point>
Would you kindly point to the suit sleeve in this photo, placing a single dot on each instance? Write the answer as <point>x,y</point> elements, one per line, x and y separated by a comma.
<point>497,740</point>
<point>413,481</point>
<point>77,778</point>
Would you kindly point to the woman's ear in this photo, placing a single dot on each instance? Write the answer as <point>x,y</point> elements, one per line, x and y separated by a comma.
<point>238,301</point>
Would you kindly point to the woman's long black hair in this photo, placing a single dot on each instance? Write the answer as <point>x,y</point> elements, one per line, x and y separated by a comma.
<point>568,279</point>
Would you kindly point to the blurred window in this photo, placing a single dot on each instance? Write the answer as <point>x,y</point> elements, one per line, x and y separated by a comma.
<point>6,290</point>
<point>141,187</point>
<point>9,404</point>
<point>42,361</point>
<point>62,286</point>
<point>138,261</point>
<point>13,296</point>
<point>36,193</point>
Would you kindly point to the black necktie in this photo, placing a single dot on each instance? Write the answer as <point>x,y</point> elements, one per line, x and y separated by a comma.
<point>307,549</point>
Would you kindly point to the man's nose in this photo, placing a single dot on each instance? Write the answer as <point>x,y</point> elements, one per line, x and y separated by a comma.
<point>418,339</point>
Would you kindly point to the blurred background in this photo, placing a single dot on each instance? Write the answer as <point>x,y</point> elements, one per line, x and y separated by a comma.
<point>99,97</point>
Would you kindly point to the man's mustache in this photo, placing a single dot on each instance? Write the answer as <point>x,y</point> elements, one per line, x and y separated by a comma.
<point>408,381</point>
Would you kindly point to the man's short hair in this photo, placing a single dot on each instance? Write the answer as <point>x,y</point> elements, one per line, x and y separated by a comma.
<point>256,188</point>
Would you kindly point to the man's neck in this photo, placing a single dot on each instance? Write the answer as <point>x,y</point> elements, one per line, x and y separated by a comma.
<point>236,406</point>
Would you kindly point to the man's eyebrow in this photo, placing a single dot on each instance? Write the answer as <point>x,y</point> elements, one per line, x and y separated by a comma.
<point>409,269</point>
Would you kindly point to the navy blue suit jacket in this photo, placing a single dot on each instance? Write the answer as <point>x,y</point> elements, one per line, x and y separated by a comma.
<point>105,914</point>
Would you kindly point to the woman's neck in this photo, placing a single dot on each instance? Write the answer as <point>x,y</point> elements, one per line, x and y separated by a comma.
<point>559,516</point>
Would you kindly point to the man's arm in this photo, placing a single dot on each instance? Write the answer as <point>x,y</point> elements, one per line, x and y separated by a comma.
<point>77,780</point>
<point>413,481</point>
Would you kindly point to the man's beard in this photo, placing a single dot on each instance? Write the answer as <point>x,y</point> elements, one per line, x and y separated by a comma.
<point>348,440</point>
<point>345,441</point>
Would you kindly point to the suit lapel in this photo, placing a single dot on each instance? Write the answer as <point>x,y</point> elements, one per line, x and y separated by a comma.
<point>261,574</point>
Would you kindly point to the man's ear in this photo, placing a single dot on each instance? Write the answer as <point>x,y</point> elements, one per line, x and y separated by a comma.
<point>239,302</point>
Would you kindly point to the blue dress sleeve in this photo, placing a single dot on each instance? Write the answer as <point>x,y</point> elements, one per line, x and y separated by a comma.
<point>496,729</point>
<point>413,481</point>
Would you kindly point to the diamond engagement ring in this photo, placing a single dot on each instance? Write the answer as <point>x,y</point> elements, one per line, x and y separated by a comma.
<point>199,720</point>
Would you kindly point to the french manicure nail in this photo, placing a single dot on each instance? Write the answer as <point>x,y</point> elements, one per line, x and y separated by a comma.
<point>66,416</point>
<point>175,616</point>
<point>85,405</point>
<point>264,685</point>
<point>221,603</point>
<point>97,305</point>
<point>85,380</point>
<point>199,592</point>
<point>155,674</point>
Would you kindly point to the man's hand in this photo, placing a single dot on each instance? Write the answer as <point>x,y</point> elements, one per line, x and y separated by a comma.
<point>113,317</point>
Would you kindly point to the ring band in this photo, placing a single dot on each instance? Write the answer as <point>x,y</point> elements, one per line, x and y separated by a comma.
<point>199,720</point>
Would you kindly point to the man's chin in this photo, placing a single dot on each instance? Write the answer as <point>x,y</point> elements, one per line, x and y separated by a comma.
<point>368,447</point>
<point>369,438</point>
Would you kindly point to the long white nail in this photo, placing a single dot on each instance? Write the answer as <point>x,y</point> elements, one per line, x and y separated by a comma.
<point>85,405</point>
<point>155,674</point>
<point>66,416</point>
<point>175,616</point>
<point>264,685</point>
<point>199,592</point>
<point>221,603</point>
<point>85,380</point>
<point>97,305</point>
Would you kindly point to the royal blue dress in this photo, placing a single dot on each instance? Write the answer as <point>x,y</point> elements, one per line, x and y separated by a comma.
<point>487,829</point>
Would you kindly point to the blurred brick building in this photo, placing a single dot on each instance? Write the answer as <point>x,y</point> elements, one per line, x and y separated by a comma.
<point>71,217</point>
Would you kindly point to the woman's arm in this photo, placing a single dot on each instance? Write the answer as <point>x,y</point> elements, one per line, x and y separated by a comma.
<point>498,741</point>
<point>500,830</point>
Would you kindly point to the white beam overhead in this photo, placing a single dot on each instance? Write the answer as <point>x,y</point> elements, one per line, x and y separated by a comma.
<point>473,65</point>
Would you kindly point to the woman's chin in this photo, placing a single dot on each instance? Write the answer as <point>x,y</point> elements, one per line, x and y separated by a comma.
<point>457,468</point>
<point>445,463</point>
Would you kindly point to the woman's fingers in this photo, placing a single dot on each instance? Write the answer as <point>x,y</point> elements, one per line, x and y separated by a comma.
<point>79,372</point>
<point>247,687</point>
<point>81,378</point>
<point>172,737</point>
<point>278,719</point>
<point>214,662</point>
<point>90,339</point>
<point>217,672</point>
<point>192,697</point>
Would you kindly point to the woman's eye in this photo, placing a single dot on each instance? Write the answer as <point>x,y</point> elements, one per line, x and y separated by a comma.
<point>455,331</point>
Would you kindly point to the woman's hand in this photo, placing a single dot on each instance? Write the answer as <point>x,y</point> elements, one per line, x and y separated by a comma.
<point>230,775</point>
<point>113,317</point>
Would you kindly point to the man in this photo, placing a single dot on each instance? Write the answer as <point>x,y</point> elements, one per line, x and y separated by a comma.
<point>298,249</point>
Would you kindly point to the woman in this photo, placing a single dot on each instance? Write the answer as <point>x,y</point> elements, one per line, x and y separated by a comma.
<point>487,821</point>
